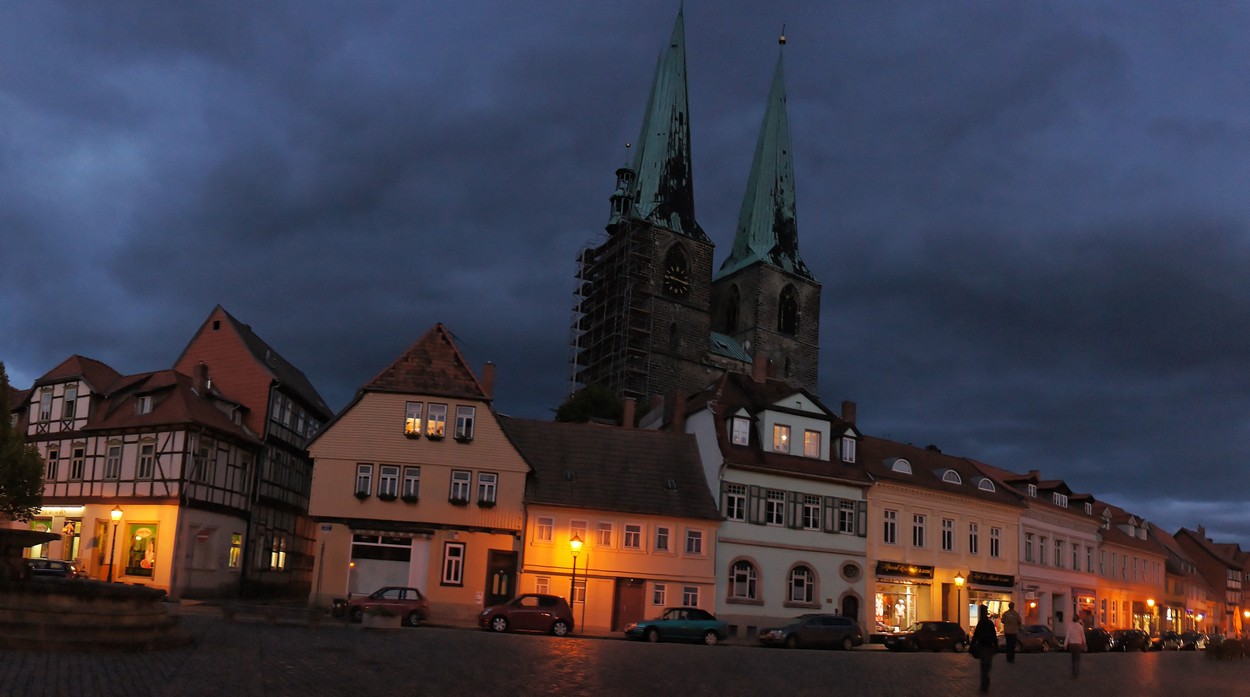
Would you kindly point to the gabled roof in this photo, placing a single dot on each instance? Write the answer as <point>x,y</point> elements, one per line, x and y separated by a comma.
<point>767,228</point>
<point>734,392</point>
<point>1115,535</point>
<point>97,375</point>
<point>175,403</point>
<point>610,468</point>
<point>280,368</point>
<point>928,465</point>
<point>1018,483</point>
<point>431,366</point>
<point>1196,540</point>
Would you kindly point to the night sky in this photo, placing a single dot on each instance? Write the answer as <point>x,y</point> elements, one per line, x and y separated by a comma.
<point>1029,218</point>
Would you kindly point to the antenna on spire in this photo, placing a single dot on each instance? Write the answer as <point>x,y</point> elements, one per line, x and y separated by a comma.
<point>781,40</point>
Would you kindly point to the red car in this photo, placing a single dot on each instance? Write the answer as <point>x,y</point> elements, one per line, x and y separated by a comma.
<point>408,602</point>
<point>532,612</point>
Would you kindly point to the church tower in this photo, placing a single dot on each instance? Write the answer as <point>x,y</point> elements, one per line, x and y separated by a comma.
<point>764,296</point>
<point>642,320</point>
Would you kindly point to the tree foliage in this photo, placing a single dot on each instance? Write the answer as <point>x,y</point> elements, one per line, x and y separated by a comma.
<point>591,402</point>
<point>21,467</point>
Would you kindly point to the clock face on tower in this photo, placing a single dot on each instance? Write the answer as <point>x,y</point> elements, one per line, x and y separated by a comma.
<point>676,278</point>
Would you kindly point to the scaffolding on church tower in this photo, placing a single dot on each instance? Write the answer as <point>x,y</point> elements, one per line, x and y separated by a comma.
<point>611,326</point>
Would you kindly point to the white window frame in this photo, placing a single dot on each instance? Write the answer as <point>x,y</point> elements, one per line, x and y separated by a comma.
<point>465,416</point>
<point>848,449</point>
<point>919,526</point>
<point>801,584</point>
<point>775,508</point>
<point>461,486</point>
<point>542,584</point>
<point>412,418</point>
<point>453,564</point>
<point>388,480</point>
<point>889,526</point>
<point>948,534</point>
<point>740,430</point>
<point>996,548</point>
<point>743,580</point>
<point>146,468</point>
<point>435,420</point>
<point>487,488</point>
<point>659,595</point>
<point>811,443</point>
<point>364,478</point>
<point>412,482</point>
<point>113,461</point>
<point>545,529</point>
<point>663,538</point>
<point>781,438</point>
<point>603,534</point>
<point>847,516</point>
<point>694,542</point>
<point>811,512</point>
<point>632,537</point>
<point>974,539</point>
<point>690,596</point>
<point>735,501</point>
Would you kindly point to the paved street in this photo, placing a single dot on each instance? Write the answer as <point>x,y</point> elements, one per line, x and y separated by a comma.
<point>249,660</point>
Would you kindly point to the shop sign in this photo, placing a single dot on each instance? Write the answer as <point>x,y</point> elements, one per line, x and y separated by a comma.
<point>985,578</point>
<point>893,568</point>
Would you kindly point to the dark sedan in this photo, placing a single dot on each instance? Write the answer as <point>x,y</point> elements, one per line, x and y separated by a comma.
<point>1097,639</point>
<point>930,635</point>
<point>1167,641</point>
<point>1130,640</point>
<point>1193,641</point>
<point>1035,637</point>
<point>815,631</point>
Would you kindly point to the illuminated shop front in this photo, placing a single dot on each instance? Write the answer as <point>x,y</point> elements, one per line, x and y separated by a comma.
<point>989,589</point>
<point>902,595</point>
<point>1085,603</point>
<point>1144,616</point>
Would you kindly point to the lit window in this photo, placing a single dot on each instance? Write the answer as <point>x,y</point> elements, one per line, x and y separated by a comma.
<point>412,483</point>
<point>464,423</point>
<point>364,479</point>
<point>487,485</point>
<point>453,564</point>
<point>811,443</point>
<point>742,578</point>
<point>735,501</point>
<point>603,536</point>
<point>633,537</point>
<point>412,419</point>
<point>388,481</point>
<point>236,550</point>
<point>545,530</point>
<point>694,542</point>
<point>802,585</point>
<point>741,431</point>
<point>461,480</point>
<point>781,438</point>
<point>113,462</point>
<point>661,538</point>
<point>277,553</point>
<point>436,421</point>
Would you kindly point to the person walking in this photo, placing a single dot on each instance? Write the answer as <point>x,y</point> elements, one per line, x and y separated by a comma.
<point>1011,630</point>
<point>985,644</point>
<point>1074,643</point>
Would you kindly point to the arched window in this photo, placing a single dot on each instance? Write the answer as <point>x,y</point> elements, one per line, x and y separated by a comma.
<point>952,477</point>
<point>802,585</point>
<point>731,310</point>
<point>985,484</point>
<point>788,311</point>
<point>742,580</point>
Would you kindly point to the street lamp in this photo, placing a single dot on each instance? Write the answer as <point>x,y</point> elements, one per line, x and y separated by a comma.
<point>959,597</point>
<point>1150,620</point>
<point>575,545</point>
<point>116,515</point>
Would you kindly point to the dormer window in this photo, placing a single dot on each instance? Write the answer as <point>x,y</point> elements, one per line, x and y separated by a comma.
<point>848,449</point>
<point>143,405</point>
<point>71,401</point>
<point>952,477</point>
<point>811,443</point>
<point>741,431</point>
<point>985,484</point>
<point>1089,508</point>
<point>1033,490</point>
<point>1059,499</point>
<point>781,438</point>
<point>901,466</point>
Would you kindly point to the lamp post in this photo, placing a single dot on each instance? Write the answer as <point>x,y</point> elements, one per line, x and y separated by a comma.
<point>116,515</point>
<point>575,545</point>
<point>959,598</point>
<point>1150,619</point>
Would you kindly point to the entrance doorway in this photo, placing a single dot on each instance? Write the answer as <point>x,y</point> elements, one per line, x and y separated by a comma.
<point>631,597</point>
<point>850,607</point>
<point>500,577</point>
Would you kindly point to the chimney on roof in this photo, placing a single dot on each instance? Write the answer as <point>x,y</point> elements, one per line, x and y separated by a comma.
<point>627,421</point>
<point>679,413</point>
<point>759,367</point>
<point>1202,532</point>
<point>200,380</point>
<point>488,380</point>
<point>848,411</point>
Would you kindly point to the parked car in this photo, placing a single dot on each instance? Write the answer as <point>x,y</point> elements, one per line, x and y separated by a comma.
<point>680,623</point>
<point>410,603</point>
<point>1035,637</point>
<point>815,631</point>
<point>1097,639</point>
<point>532,612</point>
<point>1167,641</point>
<point>1130,640</point>
<point>51,567</point>
<point>1193,641</point>
<point>931,635</point>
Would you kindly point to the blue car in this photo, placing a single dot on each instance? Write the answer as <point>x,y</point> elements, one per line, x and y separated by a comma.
<point>680,624</point>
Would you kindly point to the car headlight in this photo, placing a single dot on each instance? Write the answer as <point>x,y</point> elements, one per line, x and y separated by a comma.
<point>631,626</point>
<point>770,634</point>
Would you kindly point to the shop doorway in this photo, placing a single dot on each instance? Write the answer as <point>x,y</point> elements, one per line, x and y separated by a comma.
<point>631,598</point>
<point>850,607</point>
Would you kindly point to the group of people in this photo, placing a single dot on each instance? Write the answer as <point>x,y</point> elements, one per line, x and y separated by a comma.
<point>985,640</point>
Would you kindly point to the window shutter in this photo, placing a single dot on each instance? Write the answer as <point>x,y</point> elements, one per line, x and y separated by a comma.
<point>755,506</point>
<point>831,514</point>
<point>794,510</point>
<point>861,518</point>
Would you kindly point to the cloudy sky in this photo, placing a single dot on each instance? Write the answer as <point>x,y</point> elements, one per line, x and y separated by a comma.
<point>1030,219</point>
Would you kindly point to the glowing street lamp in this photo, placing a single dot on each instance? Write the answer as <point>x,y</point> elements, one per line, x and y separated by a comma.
<point>959,597</point>
<point>116,515</point>
<point>575,545</point>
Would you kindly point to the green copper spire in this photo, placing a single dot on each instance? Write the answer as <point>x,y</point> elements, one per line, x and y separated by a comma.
<point>662,191</point>
<point>767,230</point>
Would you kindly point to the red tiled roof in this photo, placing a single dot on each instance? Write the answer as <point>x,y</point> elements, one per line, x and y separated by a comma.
<point>431,366</point>
<point>927,468</point>
<point>174,403</point>
<point>610,468</point>
<point>98,376</point>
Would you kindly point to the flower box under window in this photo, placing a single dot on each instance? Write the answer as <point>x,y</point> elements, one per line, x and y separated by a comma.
<point>458,502</point>
<point>362,495</point>
<point>409,498</point>
<point>463,438</point>
<point>387,497</point>
<point>486,504</point>
<point>435,436</point>
<point>413,434</point>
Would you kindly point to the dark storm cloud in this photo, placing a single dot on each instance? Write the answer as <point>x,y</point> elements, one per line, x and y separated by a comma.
<point>1029,218</point>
